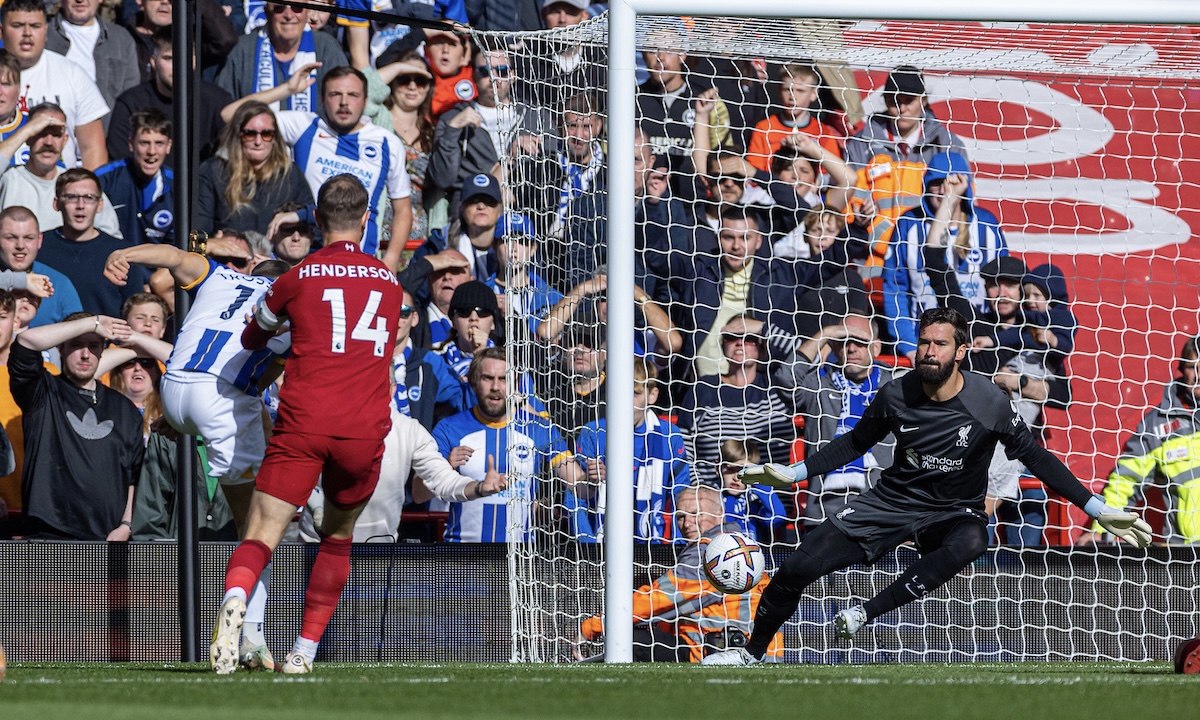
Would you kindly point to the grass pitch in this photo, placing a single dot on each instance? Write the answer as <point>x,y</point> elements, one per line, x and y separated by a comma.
<point>1061,691</point>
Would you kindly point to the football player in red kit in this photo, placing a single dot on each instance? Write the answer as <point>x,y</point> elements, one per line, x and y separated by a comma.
<point>333,415</point>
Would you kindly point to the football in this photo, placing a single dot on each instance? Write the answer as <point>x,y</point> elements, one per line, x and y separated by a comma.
<point>733,563</point>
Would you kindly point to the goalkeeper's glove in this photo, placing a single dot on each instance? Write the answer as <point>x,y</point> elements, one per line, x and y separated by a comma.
<point>1125,525</point>
<point>775,475</point>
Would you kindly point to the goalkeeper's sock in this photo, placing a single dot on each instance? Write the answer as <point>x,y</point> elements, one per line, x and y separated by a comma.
<point>325,583</point>
<point>962,545</point>
<point>246,565</point>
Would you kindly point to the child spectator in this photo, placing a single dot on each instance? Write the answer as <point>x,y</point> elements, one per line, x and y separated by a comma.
<point>659,467</point>
<point>822,226</point>
<point>798,85</point>
<point>755,509</point>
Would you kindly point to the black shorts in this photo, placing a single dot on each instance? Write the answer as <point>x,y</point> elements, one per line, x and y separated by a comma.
<point>879,525</point>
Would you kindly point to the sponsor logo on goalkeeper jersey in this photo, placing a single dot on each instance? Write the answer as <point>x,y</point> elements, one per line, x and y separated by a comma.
<point>933,462</point>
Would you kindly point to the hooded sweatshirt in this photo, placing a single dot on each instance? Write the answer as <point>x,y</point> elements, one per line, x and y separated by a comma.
<point>906,289</point>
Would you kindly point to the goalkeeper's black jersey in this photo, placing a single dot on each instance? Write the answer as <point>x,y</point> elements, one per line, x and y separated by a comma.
<point>943,449</point>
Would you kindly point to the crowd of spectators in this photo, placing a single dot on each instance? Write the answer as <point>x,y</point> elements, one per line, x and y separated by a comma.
<point>785,245</point>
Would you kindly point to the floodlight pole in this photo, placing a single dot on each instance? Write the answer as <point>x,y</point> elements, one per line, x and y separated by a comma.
<point>187,542</point>
<point>622,88</point>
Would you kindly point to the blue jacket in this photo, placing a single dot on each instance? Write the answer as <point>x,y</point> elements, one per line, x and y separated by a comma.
<point>906,289</point>
<point>145,207</point>
<point>62,303</point>
<point>430,383</point>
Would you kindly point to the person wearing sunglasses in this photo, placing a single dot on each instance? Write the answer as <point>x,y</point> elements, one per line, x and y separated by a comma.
<point>473,316</point>
<point>474,136</point>
<point>250,176</point>
<point>400,99</point>
<point>285,45</point>
<point>79,249</point>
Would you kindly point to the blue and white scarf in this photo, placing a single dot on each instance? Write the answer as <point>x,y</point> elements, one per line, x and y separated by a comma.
<point>855,399</point>
<point>579,179</point>
<point>400,374</point>
<point>271,72</point>
<point>459,361</point>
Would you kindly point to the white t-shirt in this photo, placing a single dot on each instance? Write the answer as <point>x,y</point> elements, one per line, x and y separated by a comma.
<point>83,45</point>
<point>58,80</point>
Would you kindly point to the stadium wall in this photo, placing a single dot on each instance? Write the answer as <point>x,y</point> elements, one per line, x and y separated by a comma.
<point>102,602</point>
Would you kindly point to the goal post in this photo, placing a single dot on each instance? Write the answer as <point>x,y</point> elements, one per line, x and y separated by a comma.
<point>556,589</point>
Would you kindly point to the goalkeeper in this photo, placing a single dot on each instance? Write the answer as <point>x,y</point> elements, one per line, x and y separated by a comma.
<point>947,423</point>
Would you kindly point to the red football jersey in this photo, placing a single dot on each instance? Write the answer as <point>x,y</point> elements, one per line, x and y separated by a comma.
<point>343,306</point>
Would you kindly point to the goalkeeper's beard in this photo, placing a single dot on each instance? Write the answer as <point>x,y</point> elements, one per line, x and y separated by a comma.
<point>935,373</point>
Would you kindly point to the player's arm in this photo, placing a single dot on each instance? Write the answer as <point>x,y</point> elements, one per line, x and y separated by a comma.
<point>1128,526</point>
<point>185,267</point>
<point>869,431</point>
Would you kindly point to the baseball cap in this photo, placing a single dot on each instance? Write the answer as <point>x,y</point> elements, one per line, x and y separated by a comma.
<point>1005,267</point>
<point>481,184</point>
<point>515,225</point>
<point>474,294</point>
<point>581,4</point>
<point>905,80</point>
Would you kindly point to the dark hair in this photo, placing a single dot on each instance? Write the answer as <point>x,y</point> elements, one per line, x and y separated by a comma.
<point>143,298</point>
<point>37,6</point>
<point>934,316</point>
<point>584,103</point>
<point>74,175</point>
<point>164,39</point>
<point>425,124</point>
<point>341,203</point>
<point>273,269</point>
<point>739,213</point>
<point>476,372</point>
<point>8,303</point>
<point>77,315</point>
<point>342,71</point>
<point>1190,349</point>
<point>9,62</point>
<point>46,107</point>
<point>151,119</point>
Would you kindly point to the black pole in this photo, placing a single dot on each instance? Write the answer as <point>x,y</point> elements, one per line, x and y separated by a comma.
<point>185,473</point>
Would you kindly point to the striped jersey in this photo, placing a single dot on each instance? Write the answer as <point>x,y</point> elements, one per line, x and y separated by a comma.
<point>20,117</point>
<point>525,446</point>
<point>372,154</point>
<point>210,340</point>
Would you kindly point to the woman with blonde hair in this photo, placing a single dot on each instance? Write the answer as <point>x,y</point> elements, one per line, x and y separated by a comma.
<point>250,175</point>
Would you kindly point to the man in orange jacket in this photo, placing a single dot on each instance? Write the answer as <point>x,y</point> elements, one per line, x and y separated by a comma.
<point>681,617</point>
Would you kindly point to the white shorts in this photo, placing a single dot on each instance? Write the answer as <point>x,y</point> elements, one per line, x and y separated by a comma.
<point>1004,476</point>
<point>229,421</point>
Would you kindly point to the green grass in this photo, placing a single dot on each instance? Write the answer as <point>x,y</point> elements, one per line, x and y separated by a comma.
<point>1062,691</point>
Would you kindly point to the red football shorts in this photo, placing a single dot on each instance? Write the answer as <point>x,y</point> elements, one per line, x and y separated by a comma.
<point>347,467</point>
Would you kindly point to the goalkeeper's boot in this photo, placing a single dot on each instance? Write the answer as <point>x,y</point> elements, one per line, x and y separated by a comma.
<point>227,635</point>
<point>296,664</point>
<point>256,657</point>
<point>849,621</point>
<point>736,656</point>
<point>1187,657</point>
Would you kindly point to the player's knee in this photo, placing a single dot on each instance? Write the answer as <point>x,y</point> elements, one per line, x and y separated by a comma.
<point>968,541</point>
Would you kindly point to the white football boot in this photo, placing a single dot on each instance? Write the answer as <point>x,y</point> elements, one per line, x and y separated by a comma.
<point>296,664</point>
<point>849,621</point>
<point>227,636</point>
<point>737,656</point>
<point>256,657</point>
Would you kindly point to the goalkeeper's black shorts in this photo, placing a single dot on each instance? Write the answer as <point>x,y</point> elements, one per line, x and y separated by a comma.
<point>878,525</point>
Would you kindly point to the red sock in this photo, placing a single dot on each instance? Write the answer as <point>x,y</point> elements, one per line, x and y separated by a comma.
<point>246,564</point>
<point>325,584</point>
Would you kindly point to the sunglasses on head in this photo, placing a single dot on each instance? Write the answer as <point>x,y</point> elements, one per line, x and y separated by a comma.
<point>406,311</point>
<point>463,312</point>
<point>266,135</point>
<point>500,71</point>
<point>412,79</point>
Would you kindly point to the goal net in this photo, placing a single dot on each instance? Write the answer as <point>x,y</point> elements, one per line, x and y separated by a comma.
<point>1082,142</point>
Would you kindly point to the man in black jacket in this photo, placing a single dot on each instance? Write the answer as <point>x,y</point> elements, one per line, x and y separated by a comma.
<point>83,441</point>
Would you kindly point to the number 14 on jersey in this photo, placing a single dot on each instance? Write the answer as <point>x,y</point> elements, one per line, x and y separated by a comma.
<point>370,327</point>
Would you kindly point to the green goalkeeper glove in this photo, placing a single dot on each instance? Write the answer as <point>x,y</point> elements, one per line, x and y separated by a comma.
<point>1125,525</point>
<point>774,475</point>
